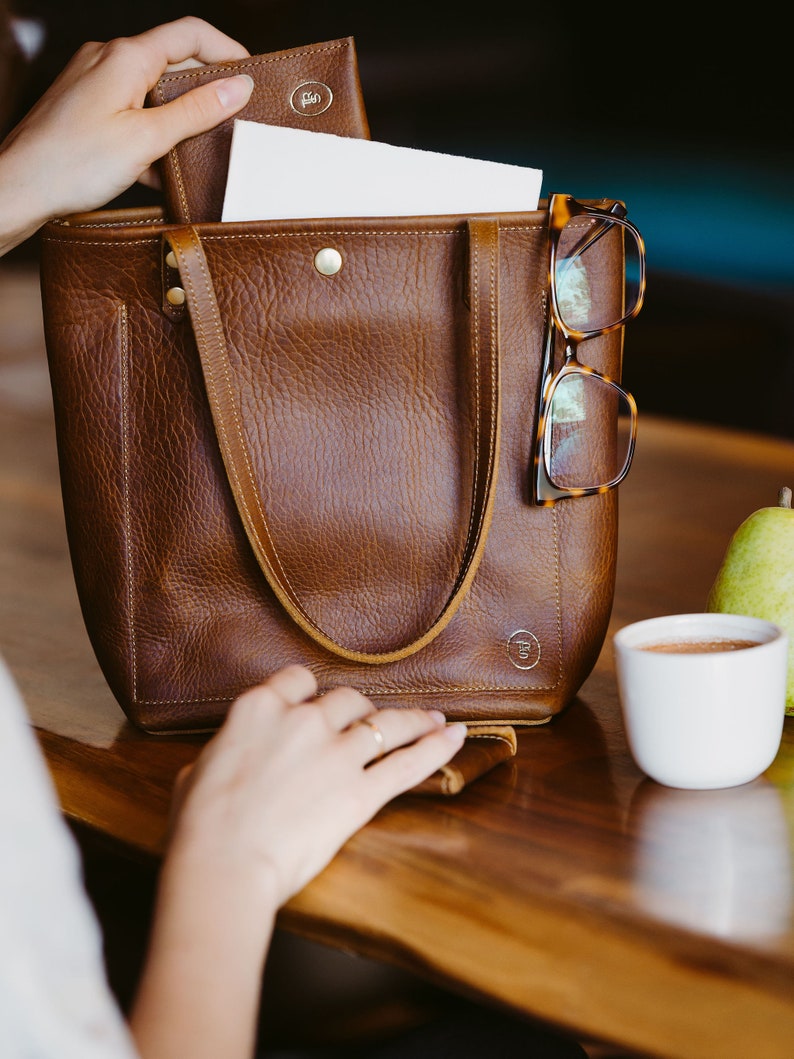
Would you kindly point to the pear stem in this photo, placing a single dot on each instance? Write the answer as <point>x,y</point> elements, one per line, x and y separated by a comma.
<point>784,497</point>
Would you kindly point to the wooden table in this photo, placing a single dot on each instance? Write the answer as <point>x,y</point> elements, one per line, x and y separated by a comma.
<point>564,884</point>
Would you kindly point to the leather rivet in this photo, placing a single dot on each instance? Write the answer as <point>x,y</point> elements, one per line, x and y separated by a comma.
<point>170,259</point>
<point>328,261</point>
<point>175,296</point>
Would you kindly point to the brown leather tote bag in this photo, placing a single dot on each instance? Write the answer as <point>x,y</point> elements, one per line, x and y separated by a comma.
<point>320,463</point>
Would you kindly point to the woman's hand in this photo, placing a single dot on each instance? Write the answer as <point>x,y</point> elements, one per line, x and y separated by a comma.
<point>290,777</point>
<point>89,137</point>
<point>272,797</point>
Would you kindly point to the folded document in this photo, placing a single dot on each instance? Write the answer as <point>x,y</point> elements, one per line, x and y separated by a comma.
<point>278,173</point>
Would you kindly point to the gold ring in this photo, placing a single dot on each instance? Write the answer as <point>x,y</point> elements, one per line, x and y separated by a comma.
<point>381,743</point>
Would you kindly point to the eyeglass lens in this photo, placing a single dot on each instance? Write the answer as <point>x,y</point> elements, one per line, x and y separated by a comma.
<point>587,297</point>
<point>588,431</point>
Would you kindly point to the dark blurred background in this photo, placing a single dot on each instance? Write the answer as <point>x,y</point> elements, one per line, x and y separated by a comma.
<point>683,114</point>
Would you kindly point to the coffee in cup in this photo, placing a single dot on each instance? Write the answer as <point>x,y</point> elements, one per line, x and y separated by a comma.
<point>690,647</point>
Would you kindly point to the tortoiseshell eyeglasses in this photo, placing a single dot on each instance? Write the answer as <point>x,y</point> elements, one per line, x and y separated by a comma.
<point>587,423</point>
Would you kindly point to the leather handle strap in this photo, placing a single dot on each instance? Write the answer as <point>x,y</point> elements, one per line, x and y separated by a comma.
<point>483,256</point>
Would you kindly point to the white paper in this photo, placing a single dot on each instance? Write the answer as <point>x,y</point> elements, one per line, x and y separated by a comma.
<point>278,173</point>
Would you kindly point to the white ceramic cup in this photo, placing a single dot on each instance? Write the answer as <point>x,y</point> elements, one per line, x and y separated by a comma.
<point>702,719</point>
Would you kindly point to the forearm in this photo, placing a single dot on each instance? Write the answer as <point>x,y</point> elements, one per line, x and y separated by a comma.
<point>22,207</point>
<point>200,989</point>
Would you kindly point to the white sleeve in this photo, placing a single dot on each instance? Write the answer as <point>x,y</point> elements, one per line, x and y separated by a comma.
<point>55,1002</point>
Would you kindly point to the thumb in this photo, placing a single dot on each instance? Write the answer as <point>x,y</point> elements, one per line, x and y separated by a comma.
<point>201,109</point>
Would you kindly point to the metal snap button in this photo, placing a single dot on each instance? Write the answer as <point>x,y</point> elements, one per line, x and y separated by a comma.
<point>328,261</point>
<point>175,296</point>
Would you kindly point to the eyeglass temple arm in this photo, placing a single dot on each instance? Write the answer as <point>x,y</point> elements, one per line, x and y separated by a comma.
<point>617,209</point>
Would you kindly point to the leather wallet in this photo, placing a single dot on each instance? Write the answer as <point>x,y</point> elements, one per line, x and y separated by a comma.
<point>313,87</point>
<point>483,748</point>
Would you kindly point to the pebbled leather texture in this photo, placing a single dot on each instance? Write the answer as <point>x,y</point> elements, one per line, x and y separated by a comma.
<point>241,458</point>
<point>366,407</point>
<point>194,172</point>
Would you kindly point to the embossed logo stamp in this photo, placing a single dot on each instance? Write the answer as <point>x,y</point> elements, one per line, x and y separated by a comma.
<point>523,649</point>
<point>311,98</point>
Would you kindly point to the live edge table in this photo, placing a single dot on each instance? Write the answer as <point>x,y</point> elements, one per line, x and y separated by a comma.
<point>564,884</point>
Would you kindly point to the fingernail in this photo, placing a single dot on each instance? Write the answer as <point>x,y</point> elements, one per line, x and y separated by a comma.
<point>234,91</point>
<point>437,716</point>
<point>457,731</point>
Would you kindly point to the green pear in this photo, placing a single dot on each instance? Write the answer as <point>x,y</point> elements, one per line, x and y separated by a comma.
<point>757,574</point>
